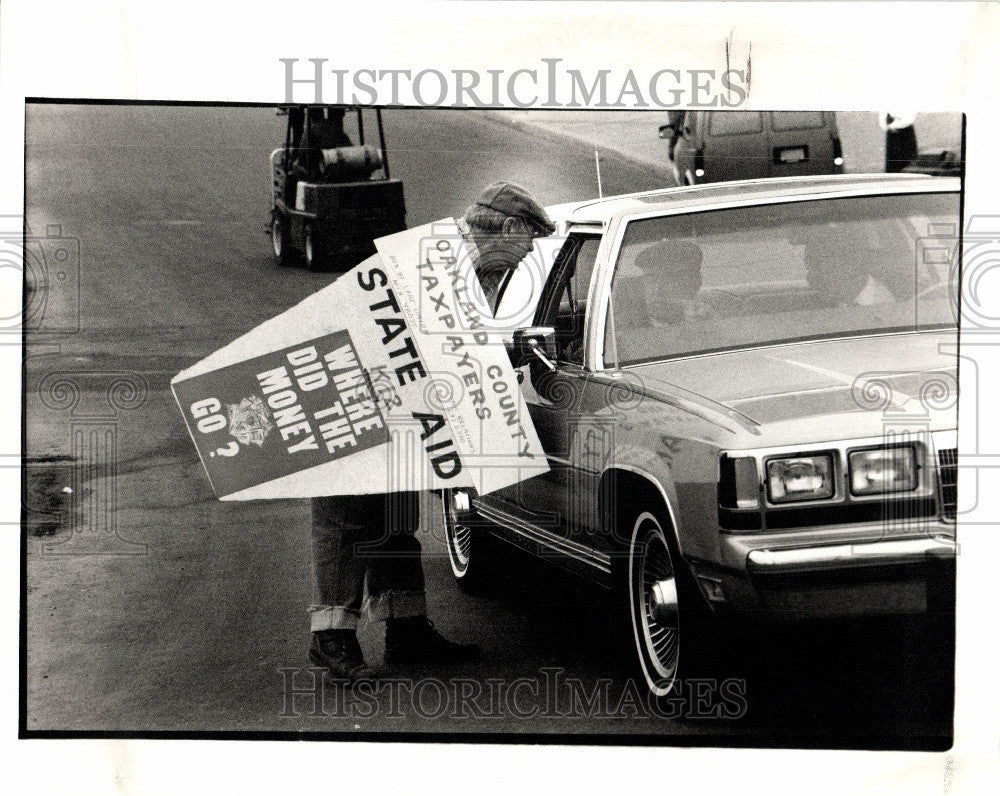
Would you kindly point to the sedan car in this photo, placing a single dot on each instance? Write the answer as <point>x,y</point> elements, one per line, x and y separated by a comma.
<point>747,397</point>
<point>713,146</point>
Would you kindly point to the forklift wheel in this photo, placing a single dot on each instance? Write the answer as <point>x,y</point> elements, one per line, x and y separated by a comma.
<point>281,242</point>
<point>313,250</point>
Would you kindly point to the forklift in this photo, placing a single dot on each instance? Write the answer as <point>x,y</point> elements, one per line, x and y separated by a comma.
<point>331,196</point>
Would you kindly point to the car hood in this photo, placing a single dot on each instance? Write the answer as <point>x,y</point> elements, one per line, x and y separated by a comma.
<point>845,387</point>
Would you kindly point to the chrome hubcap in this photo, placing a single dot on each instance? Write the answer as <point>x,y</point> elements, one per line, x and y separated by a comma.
<point>462,543</point>
<point>663,602</point>
<point>458,537</point>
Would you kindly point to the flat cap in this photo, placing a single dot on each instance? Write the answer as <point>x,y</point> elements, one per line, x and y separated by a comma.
<point>512,200</point>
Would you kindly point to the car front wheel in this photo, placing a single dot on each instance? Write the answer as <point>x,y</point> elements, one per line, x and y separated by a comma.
<point>674,633</point>
<point>654,604</point>
<point>468,546</point>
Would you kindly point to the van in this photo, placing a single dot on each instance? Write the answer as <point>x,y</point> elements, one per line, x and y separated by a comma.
<point>715,146</point>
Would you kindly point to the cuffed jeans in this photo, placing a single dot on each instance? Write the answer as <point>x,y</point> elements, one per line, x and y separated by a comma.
<point>361,541</point>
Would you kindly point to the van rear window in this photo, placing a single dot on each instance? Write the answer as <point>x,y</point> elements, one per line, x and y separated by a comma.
<point>797,120</point>
<point>734,122</point>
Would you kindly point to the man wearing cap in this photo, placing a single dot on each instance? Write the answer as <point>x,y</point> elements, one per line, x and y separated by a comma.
<point>499,231</point>
<point>360,540</point>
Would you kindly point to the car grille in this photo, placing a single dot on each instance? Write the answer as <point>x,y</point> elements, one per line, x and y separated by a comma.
<point>948,475</point>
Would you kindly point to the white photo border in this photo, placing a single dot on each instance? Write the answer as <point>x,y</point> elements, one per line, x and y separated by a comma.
<point>841,56</point>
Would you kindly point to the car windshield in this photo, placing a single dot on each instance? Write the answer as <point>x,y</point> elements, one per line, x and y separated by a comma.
<point>768,274</point>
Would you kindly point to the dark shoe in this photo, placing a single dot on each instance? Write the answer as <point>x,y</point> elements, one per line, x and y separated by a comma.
<point>414,640</point>
<point>339,653</point>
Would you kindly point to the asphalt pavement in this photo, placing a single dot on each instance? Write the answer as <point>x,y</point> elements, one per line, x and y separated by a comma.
<point>155,607</point>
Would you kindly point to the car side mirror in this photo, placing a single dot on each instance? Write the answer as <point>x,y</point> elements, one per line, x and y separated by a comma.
<point>538,342</point>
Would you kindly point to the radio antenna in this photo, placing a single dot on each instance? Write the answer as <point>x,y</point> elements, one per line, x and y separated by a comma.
<point>597,164</point>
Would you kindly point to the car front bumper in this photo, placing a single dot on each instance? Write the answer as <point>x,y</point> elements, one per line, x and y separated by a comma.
<point>836,572</point>
<point>892,552</point>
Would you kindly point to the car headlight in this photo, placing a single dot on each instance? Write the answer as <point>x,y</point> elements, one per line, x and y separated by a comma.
<point>881,470</point>
<point>800,478</point>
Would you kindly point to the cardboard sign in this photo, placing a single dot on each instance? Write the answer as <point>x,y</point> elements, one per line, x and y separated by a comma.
<point>390,379</point>
<point>282,413</point>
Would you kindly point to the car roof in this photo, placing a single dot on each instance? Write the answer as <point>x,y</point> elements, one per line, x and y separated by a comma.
<point>601,211</point>
<point>828,118</point>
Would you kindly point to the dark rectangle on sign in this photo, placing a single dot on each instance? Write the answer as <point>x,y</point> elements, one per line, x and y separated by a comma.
<point>281,413</point>
<point>792,154</point>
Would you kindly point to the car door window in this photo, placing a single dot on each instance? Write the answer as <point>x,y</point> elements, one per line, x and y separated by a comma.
<point>520,293</point>
<point>566,308</point>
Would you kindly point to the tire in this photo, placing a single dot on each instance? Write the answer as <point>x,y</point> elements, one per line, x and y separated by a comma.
<point>668,623</point>
<point>313,250</point>
<point>469,547</point>
<point>281,241</point>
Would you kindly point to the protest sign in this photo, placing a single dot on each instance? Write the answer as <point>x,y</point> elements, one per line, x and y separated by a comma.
<point>391,378</point>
